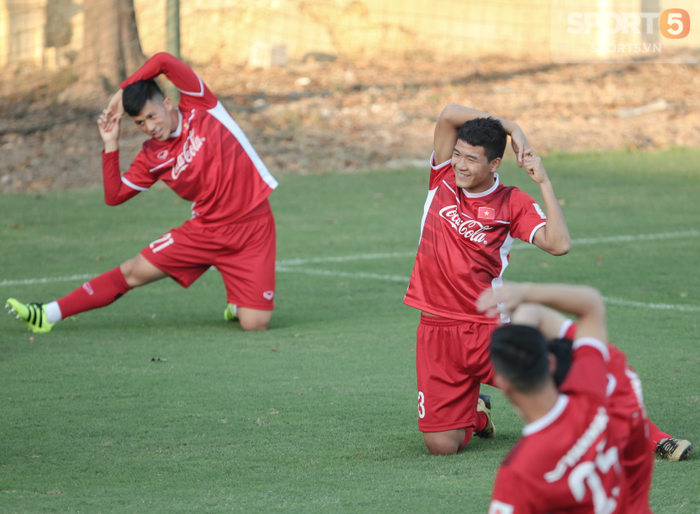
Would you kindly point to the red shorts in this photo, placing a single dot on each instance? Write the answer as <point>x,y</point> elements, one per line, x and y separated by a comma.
<point>452,361</point>
<point>243,252</point>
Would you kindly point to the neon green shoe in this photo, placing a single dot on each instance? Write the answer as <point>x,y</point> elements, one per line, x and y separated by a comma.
<point>229,313</point>
<point>32,314</point>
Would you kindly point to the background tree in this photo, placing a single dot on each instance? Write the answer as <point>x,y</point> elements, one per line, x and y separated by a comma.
<point>111,49</point>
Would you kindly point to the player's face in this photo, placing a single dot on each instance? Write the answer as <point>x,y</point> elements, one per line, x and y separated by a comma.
<point>156,120</point>
<point>473,171</point>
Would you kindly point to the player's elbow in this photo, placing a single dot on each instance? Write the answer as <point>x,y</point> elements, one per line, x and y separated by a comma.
<point>448,113</point>
<point>557,246</point>
<point>115,199</point>
<point>561,248</point>
<point>112,201</point>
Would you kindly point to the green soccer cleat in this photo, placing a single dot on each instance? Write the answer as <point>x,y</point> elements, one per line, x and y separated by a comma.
<point>32,314</point>
<point>674,449</point>
<point>229,314</point>
<point>484,405</point>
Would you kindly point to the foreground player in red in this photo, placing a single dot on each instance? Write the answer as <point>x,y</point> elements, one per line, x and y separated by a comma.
<point>568,459</point>
<point>624,394</point>
<point>469,224</point>
<point>200,152</point>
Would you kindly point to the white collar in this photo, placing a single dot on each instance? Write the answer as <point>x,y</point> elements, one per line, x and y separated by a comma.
<point>483,193</point>
<point>548,418</point>
<point>179,125</point>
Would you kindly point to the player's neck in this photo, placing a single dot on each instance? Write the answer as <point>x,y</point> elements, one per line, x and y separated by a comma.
<point>535,406</point>
<point>175,120</point>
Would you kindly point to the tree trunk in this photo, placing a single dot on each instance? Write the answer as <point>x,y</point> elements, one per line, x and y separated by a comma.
<point>111,49</point>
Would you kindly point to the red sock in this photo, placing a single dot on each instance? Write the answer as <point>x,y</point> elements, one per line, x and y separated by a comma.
<point>656,435</point>
<point>96,293</point>
<point>468,432</point>
<point>481,421</point>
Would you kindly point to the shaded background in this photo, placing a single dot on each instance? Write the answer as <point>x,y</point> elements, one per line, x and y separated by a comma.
<point>330,85</point>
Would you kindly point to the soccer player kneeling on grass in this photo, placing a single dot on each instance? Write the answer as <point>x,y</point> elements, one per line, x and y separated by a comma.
<point>624,395</point>
<point>469,224</point>
<point>568,459</point>
<point>200,152</point>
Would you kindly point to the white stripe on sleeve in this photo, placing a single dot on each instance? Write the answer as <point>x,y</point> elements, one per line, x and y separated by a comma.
<point>199,93</point>
<point>132,185</point>
<point>437,167</point>
<point>564,328</point>
<point>532,234</point>
<point>594,343</point>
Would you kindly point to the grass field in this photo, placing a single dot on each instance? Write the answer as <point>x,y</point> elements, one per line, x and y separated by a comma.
<point>319,413</point>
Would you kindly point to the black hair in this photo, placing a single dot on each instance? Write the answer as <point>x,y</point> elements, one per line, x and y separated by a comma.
<point>136,96</point>
<point>562,351</point>
<point>519,353</point>
<point>486,132</point>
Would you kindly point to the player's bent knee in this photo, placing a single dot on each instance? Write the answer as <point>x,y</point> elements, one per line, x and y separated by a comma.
<point>440,443</point>
<point>128,270</point>
<point>138,272</point>
<point>252,320</point>
<point>254,326</point>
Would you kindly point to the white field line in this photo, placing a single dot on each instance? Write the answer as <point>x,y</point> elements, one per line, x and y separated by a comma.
<point>289,266</point>
<point>517,246</point>
<point>30,281</point>
<point>397,278</point>
<point>327,273</point>
<point>659,306</point>
<point>346,258</point>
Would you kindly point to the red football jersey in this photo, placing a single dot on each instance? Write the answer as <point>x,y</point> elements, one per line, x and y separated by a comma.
<point>208,160</point>
<point>629,421</point>
<point>624,388</point>
<point>567,461</point>
<point>465,244</point>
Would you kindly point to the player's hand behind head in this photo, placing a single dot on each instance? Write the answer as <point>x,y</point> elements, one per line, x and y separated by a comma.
<point>109,128</point>
<point>519,143</point>
<point>505,299</point>
<point>115,109</point>
<point>534,166</point>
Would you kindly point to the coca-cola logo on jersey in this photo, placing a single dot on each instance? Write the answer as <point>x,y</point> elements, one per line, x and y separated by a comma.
<point>192,145</point>
<point>469,229</point>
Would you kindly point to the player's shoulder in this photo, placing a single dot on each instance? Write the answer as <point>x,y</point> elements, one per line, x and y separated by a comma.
<point>512,458</point>
<point>440,171</point>
<point>529,453</point>
<point>528,459</point>
<point>513,193</point>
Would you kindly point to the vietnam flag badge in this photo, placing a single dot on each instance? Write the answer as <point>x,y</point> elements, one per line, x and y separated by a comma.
<point>486,213</point>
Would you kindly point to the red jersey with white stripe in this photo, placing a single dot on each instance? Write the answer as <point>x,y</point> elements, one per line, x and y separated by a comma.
<point>629,421</point>
<point>624,388</point>
<point>465,244</point>
<point>567,461</point>
<point>208,160</point>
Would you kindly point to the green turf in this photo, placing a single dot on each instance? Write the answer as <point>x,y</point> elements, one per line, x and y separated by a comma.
<point>318,414</point>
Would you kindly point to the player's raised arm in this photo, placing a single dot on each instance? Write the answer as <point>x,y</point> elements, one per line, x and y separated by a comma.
<point>583,302</point>
<point>109,124</point>
<point>554,236</point>
<point>454,116</point>
<point>548,321</point>
<point>195,93</point>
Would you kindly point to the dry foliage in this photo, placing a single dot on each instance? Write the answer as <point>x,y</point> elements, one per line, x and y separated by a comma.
<point>318,116</point>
